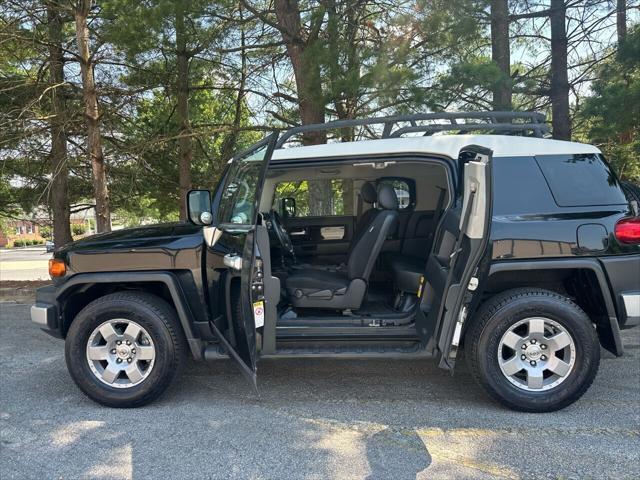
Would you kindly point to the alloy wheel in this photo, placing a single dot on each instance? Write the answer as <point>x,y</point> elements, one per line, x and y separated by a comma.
<point>536,354</point>
<point>120,353</point>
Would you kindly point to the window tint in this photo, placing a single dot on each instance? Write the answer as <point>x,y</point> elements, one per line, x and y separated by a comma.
<point>316,198</point>
<point>519,187</point>
<point>580,180</point>
<point>239,194</point>
<point>404,190</point>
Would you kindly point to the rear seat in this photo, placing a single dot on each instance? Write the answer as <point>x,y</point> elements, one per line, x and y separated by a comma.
<point>407,270</point>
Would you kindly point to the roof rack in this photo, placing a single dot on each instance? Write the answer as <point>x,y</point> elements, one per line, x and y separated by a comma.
<point>506,123</point>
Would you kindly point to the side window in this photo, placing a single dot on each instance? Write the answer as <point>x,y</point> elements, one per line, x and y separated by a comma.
<point>405,190</point>
<point>315,198</point>
<point>580,180</point>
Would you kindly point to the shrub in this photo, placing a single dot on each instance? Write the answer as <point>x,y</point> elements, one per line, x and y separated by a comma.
<point>18,243</point>
<point>45,231</point>
<point>78,228</point>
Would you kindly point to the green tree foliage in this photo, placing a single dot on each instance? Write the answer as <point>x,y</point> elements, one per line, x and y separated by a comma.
<point>368,57</point>
<point>612,112</point>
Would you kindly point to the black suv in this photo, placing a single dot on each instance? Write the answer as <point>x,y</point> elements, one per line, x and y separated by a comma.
<point>523,251</point>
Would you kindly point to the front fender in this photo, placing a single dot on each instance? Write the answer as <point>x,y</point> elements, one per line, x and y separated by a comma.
<point>186,316</point>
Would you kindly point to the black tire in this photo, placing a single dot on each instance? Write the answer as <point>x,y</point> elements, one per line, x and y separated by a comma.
<point>156,317</point>
<point>504,310</point>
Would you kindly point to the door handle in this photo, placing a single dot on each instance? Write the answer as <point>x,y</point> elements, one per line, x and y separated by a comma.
<point>298,232</point>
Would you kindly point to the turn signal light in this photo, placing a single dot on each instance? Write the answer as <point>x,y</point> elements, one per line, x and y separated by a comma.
<point>628,230</point>
<point>57,268</point>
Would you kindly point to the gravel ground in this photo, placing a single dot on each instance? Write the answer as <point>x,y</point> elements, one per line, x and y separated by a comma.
<point>315,419</point>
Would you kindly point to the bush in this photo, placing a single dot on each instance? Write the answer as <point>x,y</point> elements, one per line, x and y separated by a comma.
<point>78,228</point>
<point>45,231</point>
<point>18,243</point>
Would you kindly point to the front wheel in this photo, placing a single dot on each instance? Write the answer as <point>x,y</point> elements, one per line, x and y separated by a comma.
<point>124,349</point>
<point>533,350</point>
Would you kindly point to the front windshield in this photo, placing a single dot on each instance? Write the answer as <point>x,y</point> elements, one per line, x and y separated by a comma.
<point>238,202</point>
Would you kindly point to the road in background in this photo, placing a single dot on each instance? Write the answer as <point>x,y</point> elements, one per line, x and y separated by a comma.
<point>318,419</point>
<point>31,263</point>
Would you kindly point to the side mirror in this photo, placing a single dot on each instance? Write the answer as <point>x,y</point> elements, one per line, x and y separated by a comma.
<point>199,207</point>
<point>288,205</point>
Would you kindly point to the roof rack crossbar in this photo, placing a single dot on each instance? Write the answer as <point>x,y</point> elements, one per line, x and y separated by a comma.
<point>528,121</point>
<point>537,130</point>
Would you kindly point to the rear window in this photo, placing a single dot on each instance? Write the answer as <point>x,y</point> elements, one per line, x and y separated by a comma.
<point>405,191</point>
<point>580,180</point>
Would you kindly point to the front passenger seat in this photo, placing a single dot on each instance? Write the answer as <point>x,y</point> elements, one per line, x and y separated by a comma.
<point>345,289</point>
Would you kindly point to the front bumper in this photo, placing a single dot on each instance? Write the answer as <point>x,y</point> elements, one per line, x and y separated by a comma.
<point>45,312</point>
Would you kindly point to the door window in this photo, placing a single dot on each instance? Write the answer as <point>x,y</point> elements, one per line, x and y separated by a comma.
<point>317,198</point>
<point>242,188</point>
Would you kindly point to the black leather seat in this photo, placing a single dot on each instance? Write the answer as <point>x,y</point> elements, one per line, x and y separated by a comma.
<point>369,195</point>
<point>345,289</point>
<point>406,271</point>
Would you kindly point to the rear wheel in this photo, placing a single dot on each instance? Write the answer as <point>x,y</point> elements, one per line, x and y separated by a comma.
<point>533,350</point>
<point>124,349</point>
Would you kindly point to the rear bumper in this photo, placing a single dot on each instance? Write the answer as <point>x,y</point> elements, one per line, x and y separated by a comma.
<point>45,313</point>
<point>631,304</point>
<point>623,272</point>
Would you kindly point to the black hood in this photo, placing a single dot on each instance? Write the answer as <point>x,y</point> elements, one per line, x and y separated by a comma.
<point>129,236</point>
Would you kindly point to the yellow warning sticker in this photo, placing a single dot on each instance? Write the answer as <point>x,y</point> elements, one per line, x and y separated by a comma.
<point>258,313</point>
<point>421,286</point>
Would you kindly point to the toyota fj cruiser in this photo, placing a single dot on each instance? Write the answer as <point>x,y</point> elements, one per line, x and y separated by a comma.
<point>521,250</point>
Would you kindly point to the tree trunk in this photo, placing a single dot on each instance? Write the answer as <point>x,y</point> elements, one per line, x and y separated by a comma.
<point>621,20</point>
<point>59,198</point>
<point>229,145</point>
<point>561,120</point>
<point>501,53</point>
<point>306,70</point>
<point>185,149</point>
<point>92,116</point>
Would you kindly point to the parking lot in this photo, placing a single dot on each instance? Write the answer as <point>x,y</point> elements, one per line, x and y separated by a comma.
<point>314,419</point>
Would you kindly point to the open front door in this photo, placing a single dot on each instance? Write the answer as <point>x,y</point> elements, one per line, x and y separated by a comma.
<point>235,207</point>
<point>455,267</point>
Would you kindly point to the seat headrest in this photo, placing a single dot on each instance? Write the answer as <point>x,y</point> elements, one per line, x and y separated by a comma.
<point>387,198</point>
<point>368,193</point>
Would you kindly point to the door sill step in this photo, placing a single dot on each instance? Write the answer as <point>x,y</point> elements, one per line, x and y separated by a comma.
<point>215,352</point>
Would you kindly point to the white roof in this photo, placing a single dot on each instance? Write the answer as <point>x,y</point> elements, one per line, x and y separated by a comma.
<point>449,145</point>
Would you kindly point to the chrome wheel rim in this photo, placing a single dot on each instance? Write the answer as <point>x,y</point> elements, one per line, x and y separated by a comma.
<point>120,353</point>
<point>536,354</point>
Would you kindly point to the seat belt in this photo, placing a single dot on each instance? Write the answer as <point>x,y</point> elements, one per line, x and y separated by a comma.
<point>439,205</point>
<point>359,207</point>
<point>436,216</point>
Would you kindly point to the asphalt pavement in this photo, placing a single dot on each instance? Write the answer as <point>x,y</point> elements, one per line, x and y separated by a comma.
<point>30,263</point>
<point>316,419</point>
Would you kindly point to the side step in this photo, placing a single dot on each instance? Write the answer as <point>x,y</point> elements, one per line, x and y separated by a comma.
<point>216,352</point>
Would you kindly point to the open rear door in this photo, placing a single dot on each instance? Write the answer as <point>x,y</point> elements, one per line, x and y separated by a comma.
<point>235,207</point>
<point>455,267</point>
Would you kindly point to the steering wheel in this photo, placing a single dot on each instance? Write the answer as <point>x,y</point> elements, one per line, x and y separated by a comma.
<point>275,225</point>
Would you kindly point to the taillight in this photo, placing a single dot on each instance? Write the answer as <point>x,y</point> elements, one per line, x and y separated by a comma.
<point>628,230</point>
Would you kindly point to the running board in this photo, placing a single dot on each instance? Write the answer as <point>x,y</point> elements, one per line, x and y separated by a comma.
<point>215,352</point>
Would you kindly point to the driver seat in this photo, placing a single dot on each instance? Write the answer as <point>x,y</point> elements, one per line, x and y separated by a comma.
<point>345,289</point>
